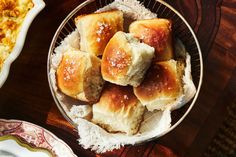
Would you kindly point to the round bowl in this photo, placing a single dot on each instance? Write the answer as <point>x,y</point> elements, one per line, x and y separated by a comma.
<point>181,30</point>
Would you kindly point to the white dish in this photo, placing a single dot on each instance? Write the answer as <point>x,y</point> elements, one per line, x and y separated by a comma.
<point>23,139</point>
<point>9,147</point>
<point>38,6</point>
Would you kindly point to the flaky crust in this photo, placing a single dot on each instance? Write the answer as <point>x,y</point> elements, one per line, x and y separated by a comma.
<point>97,29</point>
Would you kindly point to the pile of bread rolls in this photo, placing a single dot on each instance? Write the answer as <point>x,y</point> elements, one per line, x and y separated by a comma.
<point>121,74</point>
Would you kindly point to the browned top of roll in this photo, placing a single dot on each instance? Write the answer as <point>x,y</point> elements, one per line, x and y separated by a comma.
<point>70,73</point>
<point>161,80</point>
<point>156,33</point>
<point>116,57</point>
<point>117,98</point>
<point>97,29</point>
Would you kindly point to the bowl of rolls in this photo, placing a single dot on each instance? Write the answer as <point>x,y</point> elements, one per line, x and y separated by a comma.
<point>124,72</point>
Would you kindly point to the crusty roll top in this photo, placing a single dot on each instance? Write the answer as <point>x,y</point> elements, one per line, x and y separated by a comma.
<point>97,29</point>
<point>117,57</point>
<point>162,80</point>
<point>79,76</point>
<point>125,60</point>
<point>118,110</point>
<point>156,33</point>
<point>117,98</point>
<point>70,73</point>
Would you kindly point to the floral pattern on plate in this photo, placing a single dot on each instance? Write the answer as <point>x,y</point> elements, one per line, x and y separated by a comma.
<point>35,136</point>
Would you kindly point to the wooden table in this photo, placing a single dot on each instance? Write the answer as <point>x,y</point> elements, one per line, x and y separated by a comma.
<point>26,95</point>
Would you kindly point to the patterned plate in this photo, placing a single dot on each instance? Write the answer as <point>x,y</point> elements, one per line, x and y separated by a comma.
<point>23,139</point>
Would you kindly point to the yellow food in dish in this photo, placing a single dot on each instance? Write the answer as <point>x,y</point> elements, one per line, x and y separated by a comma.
<point>12,14</point>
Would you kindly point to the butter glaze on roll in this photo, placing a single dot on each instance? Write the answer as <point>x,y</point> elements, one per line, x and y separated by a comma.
<point>162,85</point>
<point>156,33</point>
<point>97,29</point>
<point>79,76</point>
<point>118,110</point>
<point>126,60</point>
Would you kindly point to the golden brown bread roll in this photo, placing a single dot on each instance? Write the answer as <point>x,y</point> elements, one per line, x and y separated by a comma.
<point>156,33</point>
<point>79,76</point>
<point>97,29</point>
<point>125,60</point>
<point>118,110</point>
<point>161,86</point>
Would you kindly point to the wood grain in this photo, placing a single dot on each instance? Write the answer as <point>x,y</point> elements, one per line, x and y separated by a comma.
<point>26,94</point>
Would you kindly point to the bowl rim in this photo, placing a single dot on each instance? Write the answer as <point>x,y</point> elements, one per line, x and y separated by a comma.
<point>52,46</point>
<point>20,40</point>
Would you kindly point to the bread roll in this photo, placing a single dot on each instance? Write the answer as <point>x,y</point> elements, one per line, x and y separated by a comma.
<point>97,29</point>
<point>118,110</point>
<point>162,85</point>
<point>79,76</point>
<point>125,60</point>
<point>156,33</point>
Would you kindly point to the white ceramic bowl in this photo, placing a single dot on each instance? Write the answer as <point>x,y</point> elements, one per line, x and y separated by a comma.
<point>38,6</point>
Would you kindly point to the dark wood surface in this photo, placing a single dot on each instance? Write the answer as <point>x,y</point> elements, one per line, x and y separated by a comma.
<point>26,95</point>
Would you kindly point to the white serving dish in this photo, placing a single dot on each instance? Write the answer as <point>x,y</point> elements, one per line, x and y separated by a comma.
<point>38,6</point>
